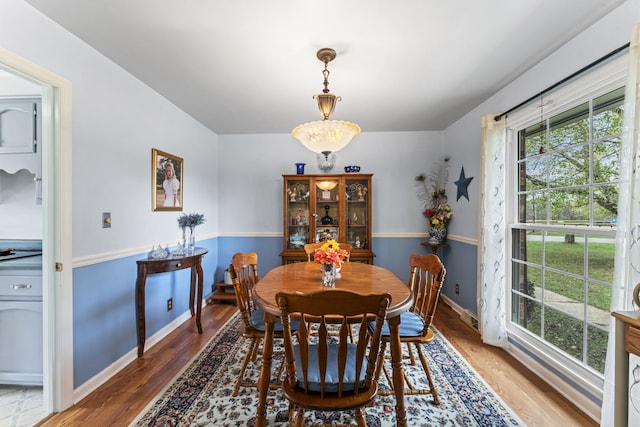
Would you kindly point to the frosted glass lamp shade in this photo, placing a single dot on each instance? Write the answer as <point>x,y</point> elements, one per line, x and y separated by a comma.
<point>326,135</point>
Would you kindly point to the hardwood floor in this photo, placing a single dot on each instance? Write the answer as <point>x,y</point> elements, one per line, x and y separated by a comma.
<point>122,398</point>
<point>535,402</point>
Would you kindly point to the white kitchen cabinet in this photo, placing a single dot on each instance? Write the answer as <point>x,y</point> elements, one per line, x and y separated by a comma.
<point>18,125</point>
<point>21,327</point>
<point>21,139</point>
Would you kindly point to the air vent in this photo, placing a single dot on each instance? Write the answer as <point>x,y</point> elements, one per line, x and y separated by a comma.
<point>468,318</point>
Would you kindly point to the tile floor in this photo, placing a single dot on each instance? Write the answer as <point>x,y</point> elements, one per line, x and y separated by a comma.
<point>20,406</point>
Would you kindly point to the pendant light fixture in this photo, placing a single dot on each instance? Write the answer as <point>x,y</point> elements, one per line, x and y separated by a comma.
<point>326,163</point>
<point>326,136</point>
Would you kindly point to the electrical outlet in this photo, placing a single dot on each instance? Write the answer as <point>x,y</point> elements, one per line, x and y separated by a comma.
<point>457,288</point>
<point>169,304</point>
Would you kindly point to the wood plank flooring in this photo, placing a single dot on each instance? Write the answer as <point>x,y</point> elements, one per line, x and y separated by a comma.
<point>535,402</point>
<point>118,402</point>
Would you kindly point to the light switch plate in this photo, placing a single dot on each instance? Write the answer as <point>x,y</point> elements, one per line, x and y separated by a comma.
<point>106,219</point>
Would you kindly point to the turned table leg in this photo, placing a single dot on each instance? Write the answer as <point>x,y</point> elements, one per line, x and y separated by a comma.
<point>265,371</point>
<point>396,363</point>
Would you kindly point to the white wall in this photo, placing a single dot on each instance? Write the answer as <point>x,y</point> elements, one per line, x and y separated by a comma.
<point>117,120</point>
<point>251,178</point>
<point>462,138</point>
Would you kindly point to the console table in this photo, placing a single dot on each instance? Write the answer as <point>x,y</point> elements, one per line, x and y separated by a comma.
<point>164,265</point>
<point>627,341</point>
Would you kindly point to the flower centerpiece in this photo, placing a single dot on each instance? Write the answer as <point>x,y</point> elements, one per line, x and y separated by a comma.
<point>190,221</point>
<point>432,192</point>
<point>330,257</point>
<point>440,216</point>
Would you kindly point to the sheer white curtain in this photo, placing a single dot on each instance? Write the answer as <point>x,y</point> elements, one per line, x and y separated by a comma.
<point>492,292</point>
<point>627,262</point>
<point>492,280</point>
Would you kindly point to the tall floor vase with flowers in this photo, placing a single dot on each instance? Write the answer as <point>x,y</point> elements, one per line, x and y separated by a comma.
<point>432,192</point>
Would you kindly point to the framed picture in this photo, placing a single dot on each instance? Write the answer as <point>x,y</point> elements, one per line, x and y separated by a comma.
<point>166,181</point>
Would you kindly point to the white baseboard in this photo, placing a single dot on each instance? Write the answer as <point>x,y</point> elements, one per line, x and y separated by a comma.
<point>465,315</point>
<point>102,377</point>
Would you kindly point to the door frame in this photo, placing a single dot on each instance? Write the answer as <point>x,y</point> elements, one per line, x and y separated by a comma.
<point>57,265</point>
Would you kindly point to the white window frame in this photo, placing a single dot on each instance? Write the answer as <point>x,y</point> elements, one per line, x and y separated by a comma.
<point>578,383</point>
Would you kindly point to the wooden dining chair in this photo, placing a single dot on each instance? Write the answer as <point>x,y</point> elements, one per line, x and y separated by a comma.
<point>329,373</point>
<point>425,280</point>
<point>244,275</point>
<point>310,249</point>
<point>347,247</point>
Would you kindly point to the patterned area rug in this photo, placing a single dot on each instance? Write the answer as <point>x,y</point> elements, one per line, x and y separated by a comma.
<point>201,394</point>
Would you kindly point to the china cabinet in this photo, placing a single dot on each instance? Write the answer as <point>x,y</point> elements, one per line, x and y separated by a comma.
<point>322,207</point>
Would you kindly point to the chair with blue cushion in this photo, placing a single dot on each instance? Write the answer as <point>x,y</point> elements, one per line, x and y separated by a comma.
<point>326,372</point>
<point>425,280</point>
<point>244,275</point>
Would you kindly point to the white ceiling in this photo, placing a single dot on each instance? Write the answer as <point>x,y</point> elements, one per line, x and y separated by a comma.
<point>243,67</point>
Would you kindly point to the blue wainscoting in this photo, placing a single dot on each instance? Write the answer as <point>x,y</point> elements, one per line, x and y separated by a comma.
<point>104,293</point>
<point>461,262</point>
<point>268,249</point>
<point>104,322</point>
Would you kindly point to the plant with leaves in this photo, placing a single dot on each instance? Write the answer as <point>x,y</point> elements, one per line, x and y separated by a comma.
<point>191,221</point>
<point>432,193</point>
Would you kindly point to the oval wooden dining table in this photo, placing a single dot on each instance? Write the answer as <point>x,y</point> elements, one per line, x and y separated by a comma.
<point>305,277</point>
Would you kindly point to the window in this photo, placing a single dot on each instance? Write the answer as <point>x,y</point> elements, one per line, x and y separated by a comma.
<point>565,174</point>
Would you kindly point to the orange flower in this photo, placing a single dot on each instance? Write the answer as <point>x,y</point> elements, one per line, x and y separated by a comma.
<point>330,253</point>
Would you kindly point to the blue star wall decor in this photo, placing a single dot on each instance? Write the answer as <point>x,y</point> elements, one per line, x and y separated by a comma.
<point>463,184</point>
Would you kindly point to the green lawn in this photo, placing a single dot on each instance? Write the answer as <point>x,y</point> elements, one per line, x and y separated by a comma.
<point>566,332</point>
<point>570,257</point>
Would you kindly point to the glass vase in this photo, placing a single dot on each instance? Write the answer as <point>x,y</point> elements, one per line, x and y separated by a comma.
<point>191,243</point>
<point>328,275</point>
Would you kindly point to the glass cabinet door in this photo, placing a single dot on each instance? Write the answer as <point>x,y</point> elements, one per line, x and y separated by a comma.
<point>357,211</point>
<point>327,206</point>
<point>297,214</point>
<point>327,218</point>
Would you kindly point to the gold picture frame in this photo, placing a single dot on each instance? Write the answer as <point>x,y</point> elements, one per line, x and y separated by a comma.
<point>162,165</point>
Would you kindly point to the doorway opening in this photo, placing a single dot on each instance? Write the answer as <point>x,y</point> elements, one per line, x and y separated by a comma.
<point>57,309</point>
